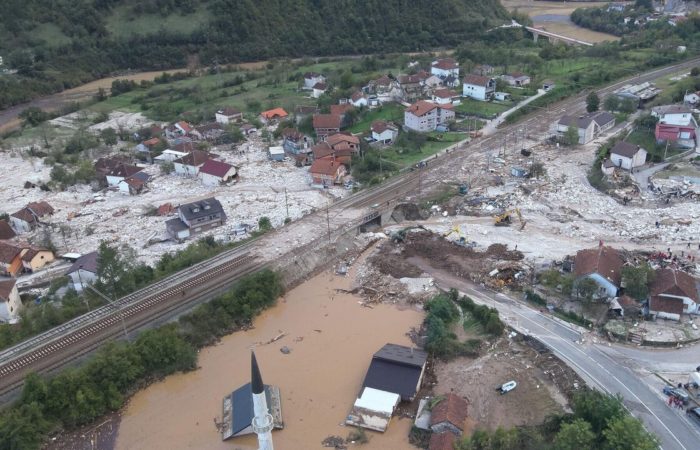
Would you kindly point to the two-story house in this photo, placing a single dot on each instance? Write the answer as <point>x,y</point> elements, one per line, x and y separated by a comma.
<point>626,155</point>
<point>295,142</point>
<point>384,132</point>
<point>672,293</point>
<point>313,78</point>
<point>27,218</point>
<point>676,124</point>
<point>196,217</point>
<point>444,68</point>
<point>189,164</point>
<point>326,125</point>
<point>10,302</point>
<point>411,87</point>
<point>478,87</point>
<point>228,115</point>
<point>425,116</point>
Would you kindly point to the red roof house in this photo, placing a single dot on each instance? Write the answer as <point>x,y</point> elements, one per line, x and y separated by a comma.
<point>214,172</point>
<point>327,171</point>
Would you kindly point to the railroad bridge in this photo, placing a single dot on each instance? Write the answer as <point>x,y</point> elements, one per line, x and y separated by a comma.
<point>553,37</point>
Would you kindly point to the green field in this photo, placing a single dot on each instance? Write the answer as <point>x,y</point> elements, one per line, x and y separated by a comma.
<point>482,109</point>
<point>403,159</point>
<point>392,112</point>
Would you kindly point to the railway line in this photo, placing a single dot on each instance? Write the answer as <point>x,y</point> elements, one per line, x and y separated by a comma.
<point>74,339</point>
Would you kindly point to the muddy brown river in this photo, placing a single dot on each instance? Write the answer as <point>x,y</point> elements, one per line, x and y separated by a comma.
<point>332,339</point>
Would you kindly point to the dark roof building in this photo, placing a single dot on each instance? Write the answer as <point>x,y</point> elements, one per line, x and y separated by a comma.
<point>87,262</point>
<point>6,231</point>
<point>625,149</point>
<point>190,212</point>
<point>398,369</point>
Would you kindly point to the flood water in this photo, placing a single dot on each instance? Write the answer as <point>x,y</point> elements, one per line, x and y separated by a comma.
<point>319,380</point>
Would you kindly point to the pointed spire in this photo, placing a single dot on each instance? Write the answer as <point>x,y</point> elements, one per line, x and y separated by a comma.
<point>255,379</point>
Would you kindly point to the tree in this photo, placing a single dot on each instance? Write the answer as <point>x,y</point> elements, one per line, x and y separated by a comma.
<point>109,136</point>
<point>264,224</point>
<point>637,279</point>
<point>611,103</point>
<point>113,274</point>
<point>538,170</point>
<point>597,408</point>
<point>695,71</point>
<point>628,433</point>
<point>586,288</point>
<point>592,102</point>
<point>575,436</point>
<point>33,116</point>
<point>570,137</point>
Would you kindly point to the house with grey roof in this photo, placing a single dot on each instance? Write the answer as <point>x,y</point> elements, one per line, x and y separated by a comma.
<point>626,155</point>
<point>589,125</point>
<point>84,271</point>
<point>196,217</point>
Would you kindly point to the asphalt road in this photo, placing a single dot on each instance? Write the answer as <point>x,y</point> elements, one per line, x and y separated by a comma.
<point>595,363</point>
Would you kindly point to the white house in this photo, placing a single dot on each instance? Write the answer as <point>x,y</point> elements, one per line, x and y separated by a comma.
<point>169,156</point>
<point>425,116</point>
<point>84,271</point>
<point>674,115</point>
<point>189,164</point>
<point>358,99</point>
<point>215,173</point>
<point>444,96</point>
<point>602,265</point>
<point>478,87</point>
<point>673,293</point>
<point>443,68</point>
<point>627,156</point>
<point>516,79</point>
<point>384,132</point>
<point>228,115</point>
<point>311,78</point>
<point>10,303</point>
<point>319,89</point>
<point>134,184</point>
<point>589,125</point>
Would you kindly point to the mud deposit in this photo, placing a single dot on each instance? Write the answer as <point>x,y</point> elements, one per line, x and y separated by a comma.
<point>331,338</point>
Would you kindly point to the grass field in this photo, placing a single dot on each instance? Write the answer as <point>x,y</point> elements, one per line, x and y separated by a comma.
<point>647,141</point>
<point>482,109</point>
<point>405,159</point>
<point>389,112</point>
<point>51,34</point>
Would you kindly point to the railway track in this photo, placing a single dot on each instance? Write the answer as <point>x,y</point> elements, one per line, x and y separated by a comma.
<point>69,341</point>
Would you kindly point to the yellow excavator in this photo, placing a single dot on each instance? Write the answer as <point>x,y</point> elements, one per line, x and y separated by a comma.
<point>505,219</point>
<point>458,231</point>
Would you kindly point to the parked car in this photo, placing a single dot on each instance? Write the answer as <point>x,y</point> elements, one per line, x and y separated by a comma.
<point>678,393</point>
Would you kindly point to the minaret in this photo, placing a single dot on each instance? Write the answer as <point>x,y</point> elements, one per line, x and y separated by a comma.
<point>262,422</point>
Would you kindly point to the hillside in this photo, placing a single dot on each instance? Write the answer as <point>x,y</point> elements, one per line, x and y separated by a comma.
<point>78,40</point>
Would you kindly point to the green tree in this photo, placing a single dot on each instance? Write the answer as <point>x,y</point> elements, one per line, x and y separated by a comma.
<point>637,280</point>
<point>576,435</point>
<point>264,224</point>
<point>592,102</point>
<point>597,408</point>
<point>611,103</point>
<point>586,288</point>
<point>628,433</point>
<point>33,116</point>
<point>570,137</point>
<point>537,170</point>
<point>23,428</point>
<point>113,274</point>
<point>109,136</point>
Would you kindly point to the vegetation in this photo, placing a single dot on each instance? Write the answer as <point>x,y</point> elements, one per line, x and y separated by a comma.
<point>76,41</point>
<point>637,280</point>
<point>592,102</point>
<point>78,396</point>
<point>598,421</point>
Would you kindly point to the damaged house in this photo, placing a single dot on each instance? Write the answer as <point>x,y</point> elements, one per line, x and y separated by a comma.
<point>602,265</point>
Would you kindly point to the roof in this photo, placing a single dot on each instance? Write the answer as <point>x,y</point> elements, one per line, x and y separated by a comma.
<point>185,126</point>
<point>175,225</point>
<point>603,117</point>
<point>185,147</point>
<point>376,400</point>
<point>104,165</point>
<point>408,79</point>
<point>384,80</point>
<point>326,121</point>
<point>380,126</point>
<point>599,117</point>
<point>320,86</point>
<point>32,252</point>
<point>292,134</point>
<point>124,170</point>
<point>8,252</point>
<point>608,164</point>
<point>274,113</point>
<point>5,289</point>
<point>444,93</point>
<point>442,441</point>
<point>87,262</point>
<point>276,150</point>
<point>342,137</point>
<point>675,282</point>
<point>396,368</point>
<point>517,75</point>
<point>201,208</point>
<point>666,304</point>
<point>421,108</point>
<point>301,109</point>
<point>341,109</point>
<point>626,149</point>
<point>40,209</point>
<point>151,142</point>
<point>228,111</point>
<point>6,231</point>
<point>216,168</point>
<point>322,149</point>
<point>194,158</point>
<point>445,64</point>
<point>477,80</point>
<point>25,215</point>
<point>242,407</point>
<point>605,261</point>
<point>452,409</point>
<point>671,109</point>
<point>325,166</point>
<point>357,95</point>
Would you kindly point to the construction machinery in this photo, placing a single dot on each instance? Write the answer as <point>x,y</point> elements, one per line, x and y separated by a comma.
<point>462,239</point>
<point>505,219</point>
<point>400,236</point>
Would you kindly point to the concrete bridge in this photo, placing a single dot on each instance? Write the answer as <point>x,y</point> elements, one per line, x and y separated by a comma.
<point>553,37</point>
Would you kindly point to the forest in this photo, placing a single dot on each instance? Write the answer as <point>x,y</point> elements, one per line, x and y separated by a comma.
<point>75,41</point>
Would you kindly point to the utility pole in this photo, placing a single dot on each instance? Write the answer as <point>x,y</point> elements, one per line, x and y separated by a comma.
<point>328,224</point>
<point>666,149</point>
<point>111,302</point>
<point>286,203</point>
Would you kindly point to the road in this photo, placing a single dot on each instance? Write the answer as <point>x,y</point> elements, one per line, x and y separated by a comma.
<point>60,346</point>
<point>598,364</point>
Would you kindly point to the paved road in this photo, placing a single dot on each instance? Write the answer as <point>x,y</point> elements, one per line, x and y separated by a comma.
<point>595,363</point>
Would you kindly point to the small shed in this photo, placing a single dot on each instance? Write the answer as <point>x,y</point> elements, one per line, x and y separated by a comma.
<point>276,153</point>
<point>501,96</point>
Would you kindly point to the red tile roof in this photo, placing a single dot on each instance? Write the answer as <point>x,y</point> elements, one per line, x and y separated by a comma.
<point>452,409</point>
<point>408,79</point>
<point>5,289</point>
<point>341,109</point>
<point>277,113</point>
<point>325,166</point>
<point>215,168</point>
<point>666,304</point>
<point>6,231</point>
<point>185,126</point>
<point>320,86</point>
<point>674,282</point>
<point>477,80</point>
<point>342,137</point>
<point>442,441</point>
<point>379,126</point>
<point>41,209</point>
<point>326,121</point>
<point>8,252</point>
<point>151,142</point>
<point>605,261</point>
<point>357,95</point>
<point>445,64</point>
<point>25,215</point>
<point>124,170</point>
<point>444,93</point>
<point>292,134</point>
<point>228,111</point>
<point>421,108</point>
